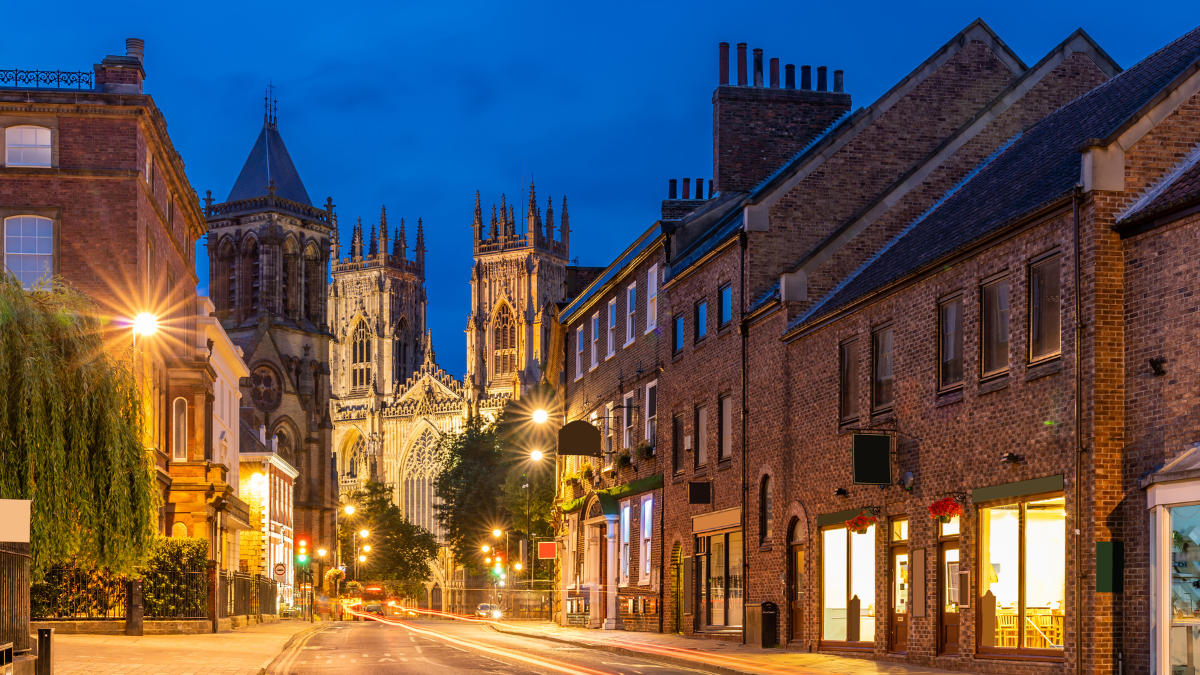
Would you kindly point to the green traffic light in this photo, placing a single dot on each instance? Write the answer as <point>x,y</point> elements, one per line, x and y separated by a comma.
<point>302,558</point>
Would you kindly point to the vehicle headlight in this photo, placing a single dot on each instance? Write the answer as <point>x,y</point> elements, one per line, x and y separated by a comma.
<point>496,614</point>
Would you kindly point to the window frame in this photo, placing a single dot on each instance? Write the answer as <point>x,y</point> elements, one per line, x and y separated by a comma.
<point>579,353</point>
<point>595,342</point>
<point>1046,258</point>
<point>51,131</point>
<point>651,298</point>
<point>724,314</point>
<point>994,280</point>
<point>623,543</point>
<point>610,452</point>
<point>766,505</point>
<point>943,386</point>
<point>627,421</point>
<point>651,416</point>
<point>677,331</point>
<point>645,538</point>
<point>179,430</point>
<point>847,377</point>
<point>630,314</point>
<point>700,320</point>
<point>10,214</point>
<point>876,406</point>
<point>678,434</point>
<point>700,444</point>
<point>612,329</point>
<point>1029,653</point>
<point>725,427</point>
<point>857,645</point>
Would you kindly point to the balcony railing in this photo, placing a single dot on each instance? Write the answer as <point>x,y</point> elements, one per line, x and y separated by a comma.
<point>47,79</point>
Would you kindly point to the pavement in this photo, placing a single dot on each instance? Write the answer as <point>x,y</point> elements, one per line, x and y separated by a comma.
<point>245,651</point>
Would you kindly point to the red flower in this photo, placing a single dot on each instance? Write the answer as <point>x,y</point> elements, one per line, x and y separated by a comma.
<point>946,507</point>
<point>860,523</point>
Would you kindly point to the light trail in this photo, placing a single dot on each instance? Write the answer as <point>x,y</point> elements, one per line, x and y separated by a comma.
<point>550,664</point>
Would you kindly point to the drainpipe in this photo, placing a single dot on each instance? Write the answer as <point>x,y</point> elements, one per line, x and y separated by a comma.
<point>744,329</point>
<point>1079,447</point>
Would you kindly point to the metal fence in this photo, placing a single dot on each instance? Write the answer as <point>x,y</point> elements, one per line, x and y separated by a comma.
<point>175,595</point>
<point>47,79</point>
<point>14,595</point>
<point>243,593</point>
<point>78,594</point>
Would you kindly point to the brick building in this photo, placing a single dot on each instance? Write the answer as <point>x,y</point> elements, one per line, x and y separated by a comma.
<point>93,191</point>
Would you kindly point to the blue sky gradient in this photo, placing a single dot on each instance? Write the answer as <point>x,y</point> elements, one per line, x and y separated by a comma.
<point>417,105</point>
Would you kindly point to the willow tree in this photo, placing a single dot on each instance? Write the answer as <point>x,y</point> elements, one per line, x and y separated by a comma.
<point>71,432</point>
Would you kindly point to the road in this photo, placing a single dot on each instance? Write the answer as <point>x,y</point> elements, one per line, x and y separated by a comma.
<point>448,648</point>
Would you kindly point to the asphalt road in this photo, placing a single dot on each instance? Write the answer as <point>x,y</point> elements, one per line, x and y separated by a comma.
<point>448,648</point>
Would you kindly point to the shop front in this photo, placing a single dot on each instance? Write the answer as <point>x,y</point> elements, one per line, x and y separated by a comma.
<point>1173,498</point>
<point>718,571</point>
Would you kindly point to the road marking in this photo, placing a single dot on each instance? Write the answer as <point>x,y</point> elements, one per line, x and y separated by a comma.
<point>386,659</point>
<point>412,639</point>
<point>418,648</point>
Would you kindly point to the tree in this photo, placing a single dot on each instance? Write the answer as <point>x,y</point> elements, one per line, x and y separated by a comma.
<point>469,487</point>
<point>71,433</point>
<point>400,550</point>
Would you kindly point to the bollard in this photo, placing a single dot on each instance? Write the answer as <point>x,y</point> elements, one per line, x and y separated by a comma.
<point>133,607</point>
<point>45,652</point>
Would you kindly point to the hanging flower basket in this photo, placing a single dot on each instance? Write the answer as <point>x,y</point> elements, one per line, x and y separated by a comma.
<point>860,523</point>
<point>586,472</point>
<point>945,509</point>
<point>624,460</point>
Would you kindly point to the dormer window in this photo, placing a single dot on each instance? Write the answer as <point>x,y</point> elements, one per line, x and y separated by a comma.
<point>27,146</point>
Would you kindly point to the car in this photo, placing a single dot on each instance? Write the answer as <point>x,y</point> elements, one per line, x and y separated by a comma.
<point>488,611</point>
<point>375,609</point>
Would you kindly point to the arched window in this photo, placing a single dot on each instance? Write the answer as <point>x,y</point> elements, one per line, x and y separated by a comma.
<point>314,275</point>
<point>421,467</point>
<point>179,430</point>
<point>504,341</point>
<point>360,357</point>
<point>250,265</point>
<point>29,248</point>
<point>400,357</point>
<point>27,146</point>
<point>226,278</point>
<point>764,509</point>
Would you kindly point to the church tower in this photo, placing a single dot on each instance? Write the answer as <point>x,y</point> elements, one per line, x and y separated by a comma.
<point>520,272</point>
<point>268,250</point>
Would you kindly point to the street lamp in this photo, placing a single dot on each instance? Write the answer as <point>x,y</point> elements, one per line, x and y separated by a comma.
<point>362,559</point>
<point>367,548</point>
<point>536,456</point>
<point>496,533</point>
<point>349,509</point>
<point>540,416</point>
<point>485,548</point>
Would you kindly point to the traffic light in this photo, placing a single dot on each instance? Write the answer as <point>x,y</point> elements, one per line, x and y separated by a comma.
<point>302,556</point>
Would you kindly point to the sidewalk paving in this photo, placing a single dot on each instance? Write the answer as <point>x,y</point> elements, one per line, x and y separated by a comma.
<point>717,656</point>
<point>245,651</point>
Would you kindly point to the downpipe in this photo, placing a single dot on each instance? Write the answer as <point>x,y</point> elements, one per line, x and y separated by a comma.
<point>1080,450</point>
<point>744,329</point>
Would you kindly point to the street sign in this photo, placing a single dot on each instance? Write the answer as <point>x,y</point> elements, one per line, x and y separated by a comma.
<point>14,520</point>
<point>547,550</point>
<point>280,570</point>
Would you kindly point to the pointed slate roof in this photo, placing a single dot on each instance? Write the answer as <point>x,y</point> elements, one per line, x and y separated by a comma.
<point>1036,170</point>
<point>269,161</point>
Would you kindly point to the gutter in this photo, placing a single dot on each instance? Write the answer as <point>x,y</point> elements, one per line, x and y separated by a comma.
<point>1080,450</point>
<point>744,330</point>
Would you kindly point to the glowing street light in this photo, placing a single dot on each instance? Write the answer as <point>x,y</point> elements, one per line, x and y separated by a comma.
<point>349,509</point>
<point>362,558</point>
<point>536,455</point>
<point>487,560</point>
<point>363,533</point>
<point>367,548</point>
<point>486,548</point>
<point>145,324</point>
<point>540,416</point>
<point>518,566</point>
<point>321,552</point>
<point>496,533</point>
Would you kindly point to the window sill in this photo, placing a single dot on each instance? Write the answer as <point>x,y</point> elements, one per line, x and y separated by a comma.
<point>995,384</point>
<point>650,330</point>
<point>847,426</point>
<point>1017,656</point>
<point>724,464</point>
<point>885,415</point>
<point>1044,369</point>
<point>610,355</point>
<point>765,547</point>
<point>677,478</point>
<point>949,398</point>
<point>594,366</point>
<point>628,343</point>
<point>701,471</point>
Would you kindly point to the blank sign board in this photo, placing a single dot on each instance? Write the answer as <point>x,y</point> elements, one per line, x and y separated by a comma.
<point>14,520</point>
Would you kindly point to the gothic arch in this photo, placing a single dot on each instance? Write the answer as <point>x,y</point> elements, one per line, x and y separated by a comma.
<point>224,281</point>
<point>250,276</point>
<point>289,437</point>
<point>419,467</point>
<point>360,342</point>
<point>352,458</point>
<point>503,340</point>
<point>403,350</point>
<point>290,275</point>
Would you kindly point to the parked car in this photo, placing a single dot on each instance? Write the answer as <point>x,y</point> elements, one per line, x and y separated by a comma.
<point>375,609</point>
<point>488,611</point>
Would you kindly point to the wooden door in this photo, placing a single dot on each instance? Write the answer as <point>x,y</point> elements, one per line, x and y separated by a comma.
<point>948,597</point>
<point>796,596</point>
<point>898,633</point>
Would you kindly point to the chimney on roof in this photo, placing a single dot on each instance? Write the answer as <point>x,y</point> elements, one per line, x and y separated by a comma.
<point>758,129</point>
<point>837,81</point>
<point>789,76</point>
<point>699,188</point>
<point>687,188</point>
<point>741,64</point>
<point>672,193</point>
<point>122,74</point>
<point>723,72</point>
<point>135,47</point>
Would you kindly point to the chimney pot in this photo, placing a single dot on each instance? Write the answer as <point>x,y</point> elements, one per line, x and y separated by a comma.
<point>758,68</point>
<point>789,76</point>
<point>699,188</point>
<point>710,188</point>
<point>135,47</point>
<point>837,81</point>
<point>822,78</point>
<point>671,191</point>
<point>687,188</point>
<point>774,73</point>
<point>806,77</point>
<point>723,68</point>
<point>741,47</point>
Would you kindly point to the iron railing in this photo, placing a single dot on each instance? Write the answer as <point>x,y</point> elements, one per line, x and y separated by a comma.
<point>78,594</point>
<point>14,595</point>
<point>47,79</point>
<point>243,593</point>
<point>175,595</point>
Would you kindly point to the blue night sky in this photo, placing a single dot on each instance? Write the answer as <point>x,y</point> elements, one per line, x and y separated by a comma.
<point>417,106</point>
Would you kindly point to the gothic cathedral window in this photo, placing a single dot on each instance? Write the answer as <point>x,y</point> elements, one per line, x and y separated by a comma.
<point>504,341</point>
<point>360,357</point>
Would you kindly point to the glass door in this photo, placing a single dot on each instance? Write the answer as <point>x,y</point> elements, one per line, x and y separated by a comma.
<point>948,600</point>
<point>899,587</point>
<point>797,595</point>
<point>1185,589</point>
<point>716,581</point>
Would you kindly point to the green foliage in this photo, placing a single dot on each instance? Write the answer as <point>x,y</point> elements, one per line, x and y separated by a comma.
<point>412,589</point>
<point>353,589</point>
<point>400,549</point>
<point>178,554</point>
<point>332,577</point>
<point>70,433</point>
<point>515,500</point>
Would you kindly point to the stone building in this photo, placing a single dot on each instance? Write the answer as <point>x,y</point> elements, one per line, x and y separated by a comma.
<point>268,278</point>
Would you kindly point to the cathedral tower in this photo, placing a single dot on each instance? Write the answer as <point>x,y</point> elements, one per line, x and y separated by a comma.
<point>520,272</point>
<point>268,249</point>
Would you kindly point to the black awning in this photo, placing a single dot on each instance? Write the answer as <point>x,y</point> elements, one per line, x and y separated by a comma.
<point>579,438</point>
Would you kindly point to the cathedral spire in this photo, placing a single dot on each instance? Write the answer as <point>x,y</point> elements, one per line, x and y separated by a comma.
<point>401,249</point>
<point>565,229</point>
<point>335,244</point>
<point>533,220</point>
<point>374,243</point>
<point>550,219</point>
<point>512,221</point>
<point>356,242</point>
<point>429,357</point>
<point>477,224</point>
<point>494,224</point>
<point>503,216</point>
<point>421,246</point>
<point>384,239</point>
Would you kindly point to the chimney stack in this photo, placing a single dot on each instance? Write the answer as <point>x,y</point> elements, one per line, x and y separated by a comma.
<point>758,71</point>
<point>724,64</point>
<point>671,191</point>
<point>774,73</point>
<point>806,77</point>
<point>741,47</point>
<point>837,82</point>
<point>789,76</point>
<point>822,78</point>
<point>135,47</point>
<point>687,188</point>
<point>699,188</point>
<point>710,188</point>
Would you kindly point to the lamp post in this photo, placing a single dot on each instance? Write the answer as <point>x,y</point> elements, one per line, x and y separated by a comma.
<point>359,558</point>
<point>536,456</point>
